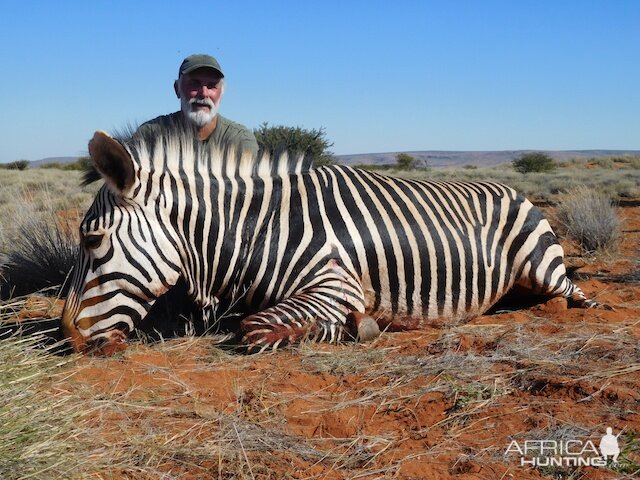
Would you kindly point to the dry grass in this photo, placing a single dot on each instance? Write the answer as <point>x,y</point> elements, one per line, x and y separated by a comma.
<point>589,217</point>
<point>370,410</point>
<point>621,182</point>
<point>38,437</point>
<point>38,193</point>
<point>41,257</point>
<point>126,428</point>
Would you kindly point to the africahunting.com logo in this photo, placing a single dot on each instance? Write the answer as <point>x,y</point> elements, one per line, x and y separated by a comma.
<point>573,452</point>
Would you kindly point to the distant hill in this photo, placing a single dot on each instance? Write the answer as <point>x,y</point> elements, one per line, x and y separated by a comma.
<point>437,158</point>
<point>434,158</point>
<point>44,161</point>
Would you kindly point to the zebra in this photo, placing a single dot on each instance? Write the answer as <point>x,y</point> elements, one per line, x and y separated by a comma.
<point>317,253</point>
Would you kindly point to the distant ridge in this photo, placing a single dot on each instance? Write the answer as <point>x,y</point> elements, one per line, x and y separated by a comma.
<point>434,158</point>
<point>44,161</point>
<point>439,158</point>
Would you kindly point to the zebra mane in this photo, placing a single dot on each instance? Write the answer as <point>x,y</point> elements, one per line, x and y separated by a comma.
<point>173,147</point>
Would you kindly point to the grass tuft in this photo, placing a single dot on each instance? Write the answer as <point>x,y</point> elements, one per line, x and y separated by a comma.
<point>42,257</point>
<point>589,217</point>
<point>37,438</point>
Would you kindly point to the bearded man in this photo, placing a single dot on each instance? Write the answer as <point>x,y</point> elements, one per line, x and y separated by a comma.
<point>200,87</point>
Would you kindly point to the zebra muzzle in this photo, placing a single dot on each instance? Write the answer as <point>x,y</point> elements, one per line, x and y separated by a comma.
<point>107,343</point>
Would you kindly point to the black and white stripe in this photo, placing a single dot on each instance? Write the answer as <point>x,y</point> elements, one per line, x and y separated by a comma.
<point>307,247</point>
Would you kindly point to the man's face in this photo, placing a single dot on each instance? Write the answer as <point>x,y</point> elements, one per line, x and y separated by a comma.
<point>200,92</point>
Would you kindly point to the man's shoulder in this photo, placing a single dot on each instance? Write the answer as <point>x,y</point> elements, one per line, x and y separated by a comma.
<point>227,125</point>
<point>162,121</point>
<point>228,131</point>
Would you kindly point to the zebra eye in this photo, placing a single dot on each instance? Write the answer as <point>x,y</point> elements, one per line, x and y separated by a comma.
<point>92,241</point>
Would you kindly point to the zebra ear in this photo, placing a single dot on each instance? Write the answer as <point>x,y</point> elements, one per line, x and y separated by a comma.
<point>113,162</point>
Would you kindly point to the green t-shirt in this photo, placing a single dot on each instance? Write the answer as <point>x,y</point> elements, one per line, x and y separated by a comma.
<point>226,133</point>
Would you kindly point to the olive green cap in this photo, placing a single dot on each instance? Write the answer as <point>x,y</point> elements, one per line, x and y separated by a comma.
<point>200,60</point>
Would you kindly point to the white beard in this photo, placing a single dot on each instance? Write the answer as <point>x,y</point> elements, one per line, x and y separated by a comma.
<point>199,118</point>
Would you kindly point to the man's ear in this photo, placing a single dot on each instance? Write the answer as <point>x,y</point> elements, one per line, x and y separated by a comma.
<point>113,162</point>
<point>176,87</point>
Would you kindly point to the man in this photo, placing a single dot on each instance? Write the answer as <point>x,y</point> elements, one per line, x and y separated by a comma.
<point>200,86</point>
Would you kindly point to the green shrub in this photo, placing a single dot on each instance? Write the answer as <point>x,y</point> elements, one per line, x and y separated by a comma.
<point>589,217</point>
<point>533,162</point>
<point>17,165</point>
<point>404,161</point>
<point>52,165</point>
<point>634,162</point>
<point>81,164</point>
<point>312,143</point>
<point>605,162</point>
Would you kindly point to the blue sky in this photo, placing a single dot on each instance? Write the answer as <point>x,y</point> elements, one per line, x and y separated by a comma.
<point>379,76</point>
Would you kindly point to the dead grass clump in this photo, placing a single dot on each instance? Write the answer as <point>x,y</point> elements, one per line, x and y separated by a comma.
<point>41,257</point>
<point>349,359</point>
<point>37,435</point>
<point>589,217</point>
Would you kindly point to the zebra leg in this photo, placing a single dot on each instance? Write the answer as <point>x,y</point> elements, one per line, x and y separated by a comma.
<point>545,274</point>
<point>576,296</point>
<point>317,312</point>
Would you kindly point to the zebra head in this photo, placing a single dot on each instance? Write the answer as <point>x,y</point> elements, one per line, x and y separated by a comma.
<point>126,258</point>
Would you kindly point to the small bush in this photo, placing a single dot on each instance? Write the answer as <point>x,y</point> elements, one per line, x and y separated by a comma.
<point>404,161</point>
<point>17,165</point>
<point>52,165</point>
<point>312,143</point>
<point>533,162</point>
<point>634,162</point>
<point>590,218</point>
<point>82,164</point>
<point>606,163</point>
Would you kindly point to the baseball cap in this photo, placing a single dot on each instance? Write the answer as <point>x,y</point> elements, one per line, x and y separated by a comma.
<point>200,60</point>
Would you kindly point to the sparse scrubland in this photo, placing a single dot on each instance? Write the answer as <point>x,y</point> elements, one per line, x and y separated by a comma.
<point>616,177</point>
<point>39,193</point>
<point>443,402</point>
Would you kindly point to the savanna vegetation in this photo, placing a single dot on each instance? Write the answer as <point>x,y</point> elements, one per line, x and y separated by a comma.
<point>312,143</point>
<point>533,162</point>
<point>443,402</point>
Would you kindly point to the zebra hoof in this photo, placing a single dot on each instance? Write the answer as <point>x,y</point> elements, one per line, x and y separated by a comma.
<point>366,328</point>
<point>604,306</point>
<point>586,303</point>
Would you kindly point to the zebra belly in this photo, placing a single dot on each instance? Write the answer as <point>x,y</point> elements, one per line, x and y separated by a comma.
<point>427,252</point>
<point>459,303</point>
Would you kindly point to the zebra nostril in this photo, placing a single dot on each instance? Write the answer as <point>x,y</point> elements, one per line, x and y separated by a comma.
<point>94,345</point>
<point>108,344</point>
